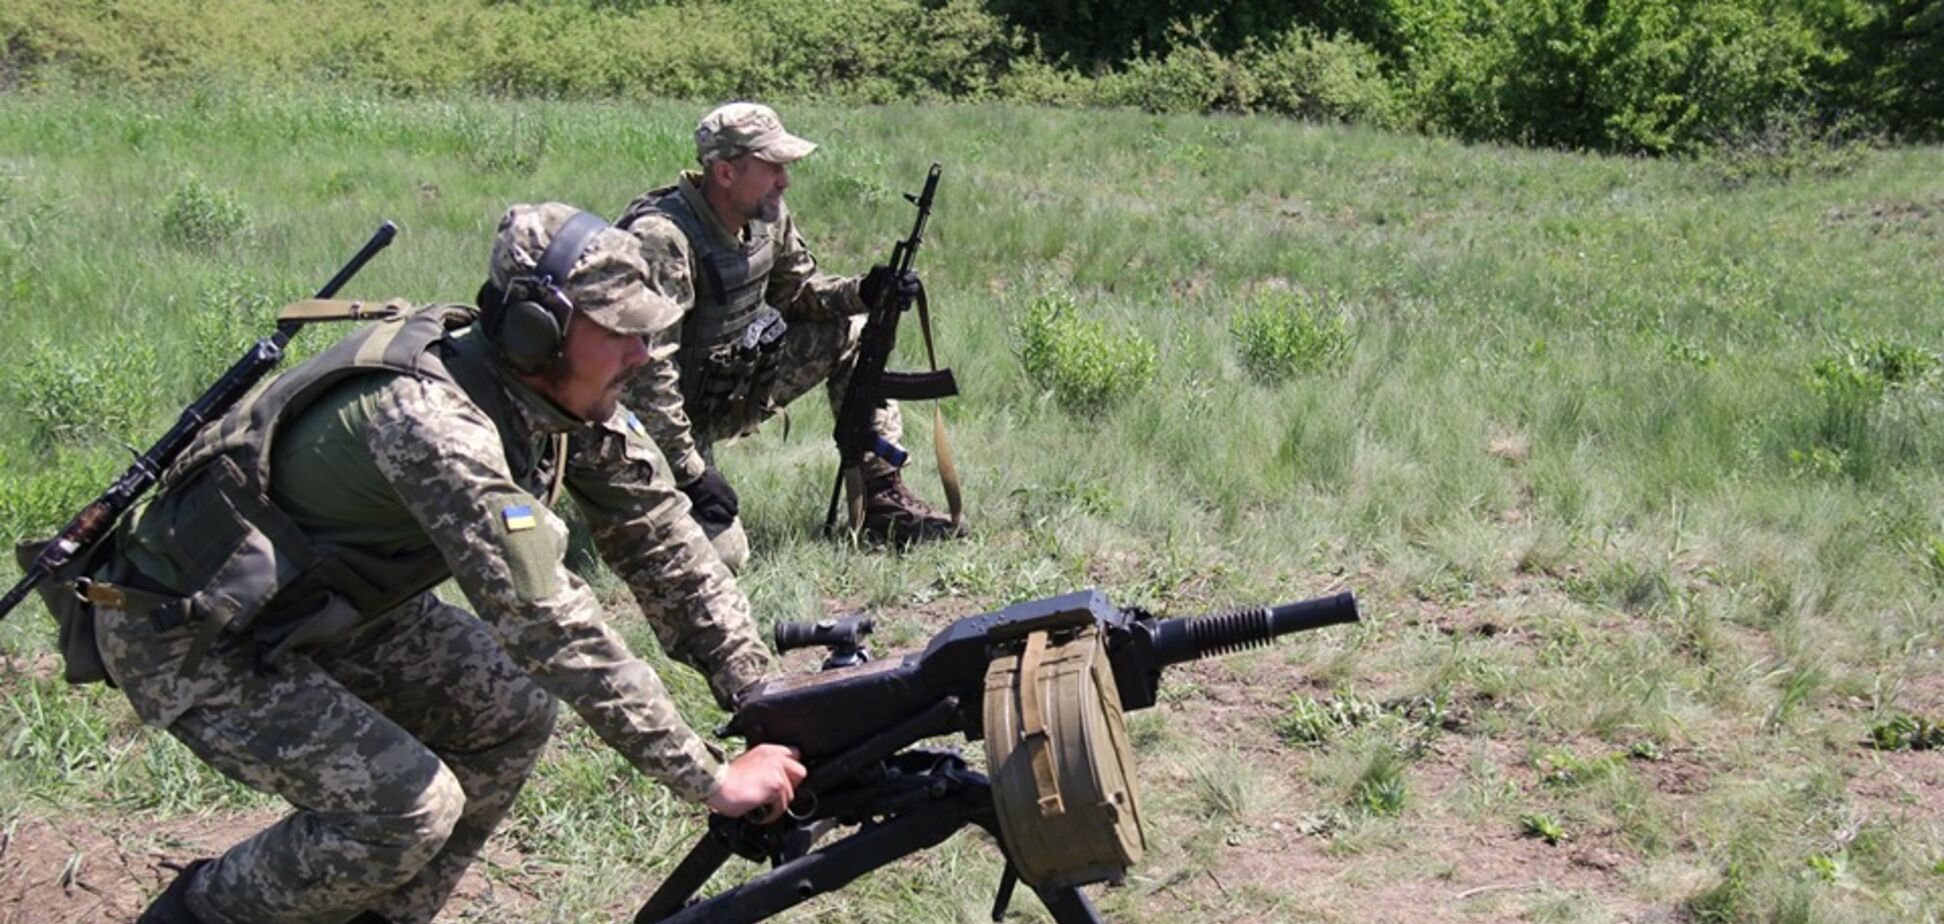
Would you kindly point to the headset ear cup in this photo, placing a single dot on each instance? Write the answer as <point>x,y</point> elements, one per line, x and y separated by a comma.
<point>529,336</point>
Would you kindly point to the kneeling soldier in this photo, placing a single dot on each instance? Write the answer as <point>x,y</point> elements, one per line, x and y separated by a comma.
<point>271,606</point>
<point>762,326</point>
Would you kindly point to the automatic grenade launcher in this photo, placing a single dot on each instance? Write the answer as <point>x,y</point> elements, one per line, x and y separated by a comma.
<point>1044,683</point>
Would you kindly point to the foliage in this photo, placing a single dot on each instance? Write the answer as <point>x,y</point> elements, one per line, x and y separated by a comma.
<point>1622,75</point>
<point>1281,335</point>
<point>198,216</point>
<point>72,397</point>
<point>1088,369</point>
<point>1906,733</point>
<point>1542,826</point>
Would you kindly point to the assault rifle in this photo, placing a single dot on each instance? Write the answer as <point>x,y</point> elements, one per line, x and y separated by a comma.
<point>95,520</point>
<point>871,386</point>
<point>856,723</point>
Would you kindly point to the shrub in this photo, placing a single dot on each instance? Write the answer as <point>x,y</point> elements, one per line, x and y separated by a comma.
<point>71,399</point>
<point>1281,335</point>
<point>196,215</point>
<point>1088,369</point>
<point>1306,74</point>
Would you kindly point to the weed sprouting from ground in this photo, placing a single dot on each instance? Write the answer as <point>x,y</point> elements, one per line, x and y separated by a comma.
<point>1087,368</point>
<point>1907,733</point>
<point>1280,335</point>
<point>197,215</point>
<point>72,397</point>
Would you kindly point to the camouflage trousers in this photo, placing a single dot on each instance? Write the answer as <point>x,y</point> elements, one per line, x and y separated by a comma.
<point>401,748</point>
<point>812,352</point>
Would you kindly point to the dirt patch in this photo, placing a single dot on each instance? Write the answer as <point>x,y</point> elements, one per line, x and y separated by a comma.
<point>1890,217</point>
<point>79,869</point>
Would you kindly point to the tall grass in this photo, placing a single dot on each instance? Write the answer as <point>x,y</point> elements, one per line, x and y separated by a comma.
<point>1575,446</point>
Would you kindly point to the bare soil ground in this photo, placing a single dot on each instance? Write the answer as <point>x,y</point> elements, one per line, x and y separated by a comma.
<point>1272,865</point>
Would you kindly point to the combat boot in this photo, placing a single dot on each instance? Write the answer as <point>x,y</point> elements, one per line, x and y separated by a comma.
<point>172,906</point>
<point>897,517</point>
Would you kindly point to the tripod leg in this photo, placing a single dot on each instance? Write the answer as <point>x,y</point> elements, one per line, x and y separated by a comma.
<point>825,869</point>
<point>1070,906</point>
<point>689,877</point>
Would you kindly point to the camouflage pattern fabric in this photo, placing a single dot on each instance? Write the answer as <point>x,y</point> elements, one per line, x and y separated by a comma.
<point>402,744</point>
<point>824,313</point>
<point>401,749</point>
<point>734,129</point>
<point>605,283</point>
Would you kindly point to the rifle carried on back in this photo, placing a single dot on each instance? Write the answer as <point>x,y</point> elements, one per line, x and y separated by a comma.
<point>1044,683</point>
<point>871,385</point>
<point>94,521</point>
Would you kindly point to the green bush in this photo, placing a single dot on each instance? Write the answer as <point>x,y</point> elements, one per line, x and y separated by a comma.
<point>1088,369</point>
<point>72,398</point>
<point>196,215</point>
<point>1282,335</point>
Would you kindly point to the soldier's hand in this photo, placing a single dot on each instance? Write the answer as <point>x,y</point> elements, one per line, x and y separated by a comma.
<point>764,778</point>
<point>882,279</point>
<point>713,500</point>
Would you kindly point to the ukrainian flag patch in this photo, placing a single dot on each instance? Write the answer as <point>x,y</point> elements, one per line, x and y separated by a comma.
<point>634,425</point>
<point>518,518</point>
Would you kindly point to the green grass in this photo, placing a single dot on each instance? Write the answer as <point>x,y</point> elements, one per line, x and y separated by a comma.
<point>1614,452</point>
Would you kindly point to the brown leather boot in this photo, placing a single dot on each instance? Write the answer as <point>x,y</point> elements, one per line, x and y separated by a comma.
<point>895,516</point>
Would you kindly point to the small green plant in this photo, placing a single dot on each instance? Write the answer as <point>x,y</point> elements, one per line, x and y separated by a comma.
<point>1309,721</point>
<point>1088,369</point>
<point>1379,789</point>
<point>1689,352</point>
<point>197,215</point>
<point>1867,370</point>
<point>1729,901</point>
<point>72,398</point>
<point>1932,554</point>
<point>1563,768</point>
<point>1906,733</point>
<point>1824,867</point>
<point>1543,826</point>
<point>1280,336</point>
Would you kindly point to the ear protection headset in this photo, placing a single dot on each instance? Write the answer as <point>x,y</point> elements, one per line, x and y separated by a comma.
<point>529,323</point>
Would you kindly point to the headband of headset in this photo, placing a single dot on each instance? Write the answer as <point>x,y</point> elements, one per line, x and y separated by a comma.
<point>531,324</point>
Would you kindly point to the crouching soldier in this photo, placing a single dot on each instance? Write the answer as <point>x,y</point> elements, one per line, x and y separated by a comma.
<point>762,326</point>
<point>271,605</point>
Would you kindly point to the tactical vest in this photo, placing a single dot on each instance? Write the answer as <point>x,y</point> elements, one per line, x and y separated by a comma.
<point>247,566</point>
<point>730,336</point>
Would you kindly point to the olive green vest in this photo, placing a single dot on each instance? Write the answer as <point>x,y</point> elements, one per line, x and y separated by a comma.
<point>243,563</point>
<point>729,285</point>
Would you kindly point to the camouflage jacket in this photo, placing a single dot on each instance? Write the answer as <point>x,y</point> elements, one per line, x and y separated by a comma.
<point>794,288</point>
<point>386,465</point>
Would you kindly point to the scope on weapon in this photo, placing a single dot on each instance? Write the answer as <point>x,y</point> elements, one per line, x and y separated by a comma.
<point>844,637</point>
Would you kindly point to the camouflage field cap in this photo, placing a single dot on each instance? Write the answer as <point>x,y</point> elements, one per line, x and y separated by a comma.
<point>606,283</point>
<point>747,128</point>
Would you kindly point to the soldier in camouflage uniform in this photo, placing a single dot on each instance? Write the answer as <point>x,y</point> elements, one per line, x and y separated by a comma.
<point>271,606</point>
<point>761,327</point>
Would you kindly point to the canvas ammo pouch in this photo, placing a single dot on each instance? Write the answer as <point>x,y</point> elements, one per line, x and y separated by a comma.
<point>73,614</point>
<point>1061,765</point>
<point>738,375</point>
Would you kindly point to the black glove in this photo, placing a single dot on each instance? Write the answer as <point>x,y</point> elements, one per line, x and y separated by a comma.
<point>880,276</point>
<point>713,500</point>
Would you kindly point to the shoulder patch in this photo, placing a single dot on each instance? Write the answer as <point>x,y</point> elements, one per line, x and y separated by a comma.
<point>518,517</point>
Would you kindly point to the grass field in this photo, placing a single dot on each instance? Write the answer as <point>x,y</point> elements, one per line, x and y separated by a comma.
<point>1636,466</point>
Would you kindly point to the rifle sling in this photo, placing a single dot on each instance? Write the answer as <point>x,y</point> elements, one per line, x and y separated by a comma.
<point>941,445</point>
<point>329,309</point>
